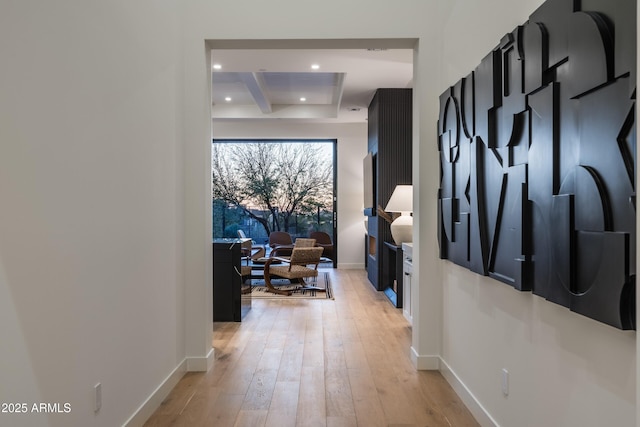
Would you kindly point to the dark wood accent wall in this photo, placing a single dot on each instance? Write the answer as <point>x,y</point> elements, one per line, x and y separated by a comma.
<point>390,141</point>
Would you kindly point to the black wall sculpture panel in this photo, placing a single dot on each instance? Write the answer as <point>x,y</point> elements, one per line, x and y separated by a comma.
<point>538,160</point>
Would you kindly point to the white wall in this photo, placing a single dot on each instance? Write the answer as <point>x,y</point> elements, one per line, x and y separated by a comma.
<point>91,286</point>
<point>564,369</point>
<point>351,147</point>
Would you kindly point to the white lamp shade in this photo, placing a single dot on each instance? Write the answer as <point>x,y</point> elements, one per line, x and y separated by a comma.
<point>402,201</point>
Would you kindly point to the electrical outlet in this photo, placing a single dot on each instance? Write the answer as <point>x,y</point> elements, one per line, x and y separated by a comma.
<point>505,382</point>
<point>97,397</point>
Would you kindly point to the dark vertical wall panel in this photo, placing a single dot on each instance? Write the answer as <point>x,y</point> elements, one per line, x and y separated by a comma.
<point>390,139</point>
<point>538,160</point>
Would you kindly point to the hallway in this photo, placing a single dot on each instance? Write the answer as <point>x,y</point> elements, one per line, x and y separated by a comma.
<point>315,363</point>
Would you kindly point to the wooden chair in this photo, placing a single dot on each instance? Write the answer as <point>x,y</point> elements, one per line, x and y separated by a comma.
<point>250,252</point>
<point>285,250</point>
<point>303,263</point>
<point>249,248</point>
<point>304,243</point>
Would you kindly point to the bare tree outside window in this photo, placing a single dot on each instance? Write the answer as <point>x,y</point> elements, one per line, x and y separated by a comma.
<point>274,184</point>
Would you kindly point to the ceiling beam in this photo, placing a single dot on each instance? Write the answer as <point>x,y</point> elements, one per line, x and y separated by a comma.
<point>256,86</point>
<point>279,112</point>
<point>338,89</point>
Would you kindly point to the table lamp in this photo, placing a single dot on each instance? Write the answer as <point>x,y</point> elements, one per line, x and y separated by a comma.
<point>402,201</point>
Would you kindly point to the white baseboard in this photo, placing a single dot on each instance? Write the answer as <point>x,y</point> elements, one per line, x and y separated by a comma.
<point>407,316</point>
<point>356,266</point>
<point>479,412</point>
<point>189,364</point>
<point>201,364</point>
<point>142,414</point>
<point>424,363</point>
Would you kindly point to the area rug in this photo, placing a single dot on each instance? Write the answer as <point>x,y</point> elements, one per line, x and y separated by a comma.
<point>258,290</point>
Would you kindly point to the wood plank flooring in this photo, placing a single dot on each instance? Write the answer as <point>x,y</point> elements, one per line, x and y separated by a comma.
<point>315,363</point>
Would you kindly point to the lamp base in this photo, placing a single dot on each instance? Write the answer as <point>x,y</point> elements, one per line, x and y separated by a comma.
<point>402,229</point>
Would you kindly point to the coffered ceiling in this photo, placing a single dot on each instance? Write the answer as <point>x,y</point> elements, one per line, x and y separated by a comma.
<point>330,85</point>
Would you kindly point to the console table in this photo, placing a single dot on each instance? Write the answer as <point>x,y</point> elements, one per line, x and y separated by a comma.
<point>231,297</point>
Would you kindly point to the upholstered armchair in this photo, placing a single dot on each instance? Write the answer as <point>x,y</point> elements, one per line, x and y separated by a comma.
<point>281,243</point>
<point>324,241</point>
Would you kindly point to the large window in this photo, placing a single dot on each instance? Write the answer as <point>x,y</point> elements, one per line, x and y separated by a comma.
<point>260,186</point>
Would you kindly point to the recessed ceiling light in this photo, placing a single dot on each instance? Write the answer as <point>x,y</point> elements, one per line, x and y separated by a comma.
<point>315,67</point>
<point>228,98</point>
<point>303,99</point>
<point>217,67</point>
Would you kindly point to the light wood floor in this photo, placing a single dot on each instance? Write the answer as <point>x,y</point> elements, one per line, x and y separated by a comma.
<point>315,363</point>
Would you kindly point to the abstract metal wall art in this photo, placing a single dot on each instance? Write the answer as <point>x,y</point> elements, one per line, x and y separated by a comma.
<point>538,160</point>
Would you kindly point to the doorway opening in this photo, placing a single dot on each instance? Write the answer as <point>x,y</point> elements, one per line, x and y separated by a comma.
<point>309,89</point>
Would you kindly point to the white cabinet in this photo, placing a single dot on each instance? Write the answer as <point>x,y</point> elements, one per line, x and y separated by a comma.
<point>407,271</point>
